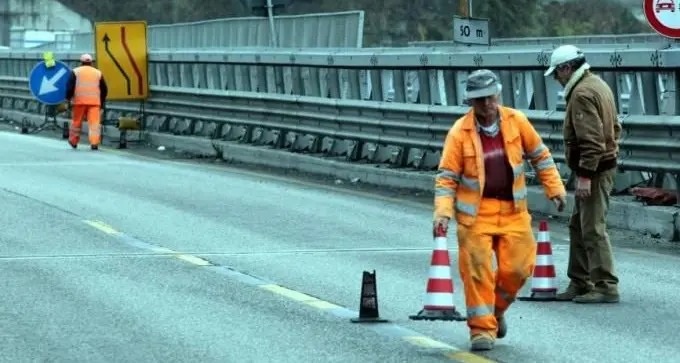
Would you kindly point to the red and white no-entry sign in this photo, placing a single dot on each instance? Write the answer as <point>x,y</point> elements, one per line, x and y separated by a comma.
<point>663,16</point>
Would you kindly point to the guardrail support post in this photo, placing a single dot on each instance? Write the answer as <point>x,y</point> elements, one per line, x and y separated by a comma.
<point>402,157</point>
<point>354,153</point>
<point>281,140</point>
<point>316,144</point>
<point>677,190</point>
<point>248,135</point>
<point>123,139</point>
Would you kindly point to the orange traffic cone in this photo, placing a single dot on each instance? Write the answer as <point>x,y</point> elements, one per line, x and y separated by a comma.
<point>439,292</point>
<point>543,284</point>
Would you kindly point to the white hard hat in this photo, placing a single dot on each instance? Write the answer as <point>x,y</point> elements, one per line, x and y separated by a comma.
<point>85,58</point>
<point>562,55</point>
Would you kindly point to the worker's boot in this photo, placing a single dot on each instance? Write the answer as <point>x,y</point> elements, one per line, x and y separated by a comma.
<point>571,292</point>
<point>502,327</point>
<point>596,297</point>
<point>75,146</point>
<point>481,341</point>
<point>94,147</point>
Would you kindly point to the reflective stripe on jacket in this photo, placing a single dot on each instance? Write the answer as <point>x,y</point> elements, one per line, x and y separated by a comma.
<point>87,90</point>
<point>459,184</point>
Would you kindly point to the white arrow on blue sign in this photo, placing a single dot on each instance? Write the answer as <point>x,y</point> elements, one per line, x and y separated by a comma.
<point>48,85</point>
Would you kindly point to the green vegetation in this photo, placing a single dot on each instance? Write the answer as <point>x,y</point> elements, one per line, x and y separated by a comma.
<point>395,22</point>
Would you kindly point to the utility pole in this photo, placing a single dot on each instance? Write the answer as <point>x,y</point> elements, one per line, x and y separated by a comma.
<point>5,23</point>
<point>272,29</point>
<point>265,8</point>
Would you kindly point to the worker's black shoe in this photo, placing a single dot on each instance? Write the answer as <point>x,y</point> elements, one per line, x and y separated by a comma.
<point>75,146</point>
<point>502,327</point>
<point>94,147</point>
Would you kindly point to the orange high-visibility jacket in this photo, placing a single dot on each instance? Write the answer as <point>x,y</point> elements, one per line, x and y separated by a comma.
<point>87,90</point>
<point>460,182</point>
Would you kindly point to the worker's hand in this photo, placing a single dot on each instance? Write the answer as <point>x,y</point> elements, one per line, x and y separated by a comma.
<point>441,221</point>
<point>582,187</point>
<point>560,202</point>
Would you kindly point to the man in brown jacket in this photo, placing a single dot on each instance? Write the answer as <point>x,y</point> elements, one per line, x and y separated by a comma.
<point>591,135</point>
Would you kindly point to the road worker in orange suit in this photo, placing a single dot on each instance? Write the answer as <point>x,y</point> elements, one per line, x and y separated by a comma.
<point>86,90</point>
<point>481,182</point>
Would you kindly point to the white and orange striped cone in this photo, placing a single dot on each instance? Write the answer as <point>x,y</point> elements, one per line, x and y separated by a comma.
<point>439,292</point>
<point>543,283</point>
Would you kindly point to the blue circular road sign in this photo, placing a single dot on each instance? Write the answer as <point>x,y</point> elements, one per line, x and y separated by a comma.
<point>48,85</point>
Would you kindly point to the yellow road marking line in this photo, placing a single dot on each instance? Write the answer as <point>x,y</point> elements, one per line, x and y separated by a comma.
<point>467,357</point>
<point>298,296</point>
<point>102,227</point>
<point>188,258</point>
<point>422,341</point>
<point>455,353</point>
<point>291,294</point>
<point>162,250</point>
<point>321,304</point>
<point>427,342</point>
<point>419,340</point>
<point>193,260</point>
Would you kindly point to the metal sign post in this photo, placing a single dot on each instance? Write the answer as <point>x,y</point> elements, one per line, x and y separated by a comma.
<point>468,30</point>
<point>266,8</point>
<point>272,30</point>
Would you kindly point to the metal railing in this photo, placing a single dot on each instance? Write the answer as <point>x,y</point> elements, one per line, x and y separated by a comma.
<point>643,77</point>
<point>620,40</point>
<point>406,136</point>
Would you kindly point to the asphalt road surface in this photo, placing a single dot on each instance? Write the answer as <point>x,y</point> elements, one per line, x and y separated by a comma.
<point>109,257</point>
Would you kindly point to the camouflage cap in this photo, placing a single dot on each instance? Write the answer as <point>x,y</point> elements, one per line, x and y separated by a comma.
<point>482,83</point>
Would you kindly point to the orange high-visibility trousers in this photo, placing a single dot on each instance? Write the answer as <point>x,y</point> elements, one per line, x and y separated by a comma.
<point>92,113</point>
<point>497,228</point>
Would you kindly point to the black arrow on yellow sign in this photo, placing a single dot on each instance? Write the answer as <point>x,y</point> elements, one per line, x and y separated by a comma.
<point>106,41</point>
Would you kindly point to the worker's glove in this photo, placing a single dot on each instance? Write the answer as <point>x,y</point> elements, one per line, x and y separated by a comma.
<point>440,222</point>
<point>560,202</point>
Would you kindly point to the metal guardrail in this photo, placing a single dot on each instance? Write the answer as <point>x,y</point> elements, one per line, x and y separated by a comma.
<point>406,136</point>
<point>643,78</point>
<point>642,57</point>
<point>581,40</point>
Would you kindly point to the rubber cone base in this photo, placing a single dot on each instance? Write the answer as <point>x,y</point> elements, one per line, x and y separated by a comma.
<point>369,320</point>
<point>443,315</point>
<point>540,296</point>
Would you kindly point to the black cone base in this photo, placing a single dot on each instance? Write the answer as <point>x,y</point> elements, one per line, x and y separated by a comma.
<point>441,315</point>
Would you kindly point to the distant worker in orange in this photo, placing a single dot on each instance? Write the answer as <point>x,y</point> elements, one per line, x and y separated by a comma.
<point>481,182</point>
<point>86,91</point>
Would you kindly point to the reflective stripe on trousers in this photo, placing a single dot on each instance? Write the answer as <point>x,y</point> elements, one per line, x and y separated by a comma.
<point>93,115</point>
<point>497,228</point>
